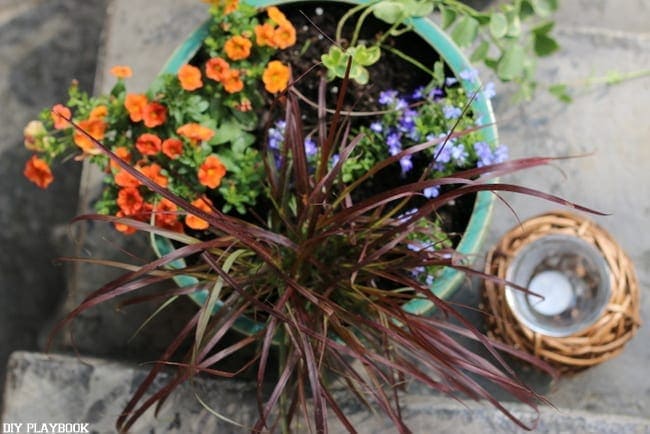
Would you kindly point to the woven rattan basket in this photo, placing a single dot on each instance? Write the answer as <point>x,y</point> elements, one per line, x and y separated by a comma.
<point>599,342</point>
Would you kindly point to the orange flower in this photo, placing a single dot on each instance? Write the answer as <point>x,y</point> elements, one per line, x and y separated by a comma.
<point>238,47</point>
<point>124,228</point>
<point>166,216</point>
<point>244,105</point>
<point>284,36</point>
<point>276,76</point>
<point>148,144</point>
<point>122,153</point>
<point>38,171</point>
<point>216,68</point>
<point>152,172</point>
<point>195,132</point>
<point>190,77</point>
<point>99,112</point>
<point>125,179</point>
<point>58,111</point>
<point>277,16</point>
<point>134,104</point>
<point>211,172</point>
<point>172,147</point>
<point>96,128</point>
<point>194,222</point>
<point>154,114</point>
<point>232,82</point>
<point>121,71</point>
<point>231,6</point>
<point>129,200</point>
<point>264,35</point>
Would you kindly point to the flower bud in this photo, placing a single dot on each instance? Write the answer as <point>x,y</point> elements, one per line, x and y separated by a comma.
<point>34,133</point>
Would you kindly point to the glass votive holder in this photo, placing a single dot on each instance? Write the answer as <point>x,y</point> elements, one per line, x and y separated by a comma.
<point>568,284</point>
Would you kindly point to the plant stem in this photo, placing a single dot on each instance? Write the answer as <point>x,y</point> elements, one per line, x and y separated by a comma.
<point>343,20</point>
<point>357,28</point>
<point>409,59</point>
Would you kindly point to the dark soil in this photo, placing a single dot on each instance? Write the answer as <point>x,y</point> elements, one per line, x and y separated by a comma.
<point>315,25</point>
<point>390,72</point>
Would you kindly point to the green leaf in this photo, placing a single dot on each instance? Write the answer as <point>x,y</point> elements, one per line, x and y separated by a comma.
<point>491,63</point>
<point>228,131</point>
<point>526,10</point>
<point>498,25</point>
<point>544,28</point>
<point>481,52</point>
<point>465,31</point>
<point>545,45</point>
<point>415,8</point>
<point>511,63</point>
<point>359,74</point>
<point>514,25</point>
<point>561,92</point>
<point>365,56</point>
<point>544,8</point>
<point>390,11</point>
<point>447,16</point>
<point>242,141</point>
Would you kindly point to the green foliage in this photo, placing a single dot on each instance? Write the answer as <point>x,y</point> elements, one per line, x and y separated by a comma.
<point>360,56</point>
<point>497,38</point>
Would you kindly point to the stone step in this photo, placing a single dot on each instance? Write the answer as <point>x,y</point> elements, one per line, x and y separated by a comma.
<point>64,389</point>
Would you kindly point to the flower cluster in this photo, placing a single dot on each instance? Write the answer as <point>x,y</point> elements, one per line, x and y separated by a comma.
<point>191,132</point>
<point>429,113</point>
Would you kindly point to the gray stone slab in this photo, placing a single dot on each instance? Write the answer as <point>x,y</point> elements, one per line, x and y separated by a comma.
<point>610,124</point>
<point>44,389</point>
<point>43,46</point>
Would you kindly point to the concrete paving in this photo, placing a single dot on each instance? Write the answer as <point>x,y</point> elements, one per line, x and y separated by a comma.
<point>94,392</point>
<point>43,46</point>
<point>611,123</point>
<point>597,37</point>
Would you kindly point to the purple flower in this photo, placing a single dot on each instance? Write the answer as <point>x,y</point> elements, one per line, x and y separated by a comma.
<point>406,164</point>
<point>403,218</point>
<point>431,192</point>
<point>436,93</point>
<point>387,97</point>
<point>488,91</point>
<point>394,143</point>
<point>377,127</point>
<point>335,159</point>
<point>418,93</point>
<point>407,123</point>
<point>484,153</point>
<point>449,81</point>
<point>459,154</point>
<point>276,135</point>
<point>452,112</point>
<point>310,147</point>
<point>401,104</point>
<point>501,154</point>
<point>487,156</point>
<point>442,151</point>
<point>469,74</point>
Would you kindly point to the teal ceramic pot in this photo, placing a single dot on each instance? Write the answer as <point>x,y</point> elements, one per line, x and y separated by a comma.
<point>450,280</point>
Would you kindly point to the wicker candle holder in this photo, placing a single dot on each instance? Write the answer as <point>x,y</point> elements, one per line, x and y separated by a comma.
<point>598,341</point>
